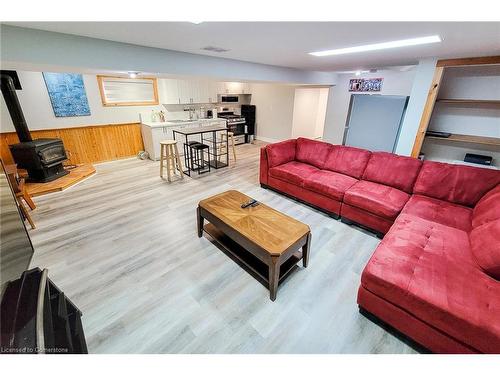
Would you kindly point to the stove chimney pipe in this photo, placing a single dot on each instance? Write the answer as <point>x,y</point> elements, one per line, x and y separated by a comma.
<point>16,113</point>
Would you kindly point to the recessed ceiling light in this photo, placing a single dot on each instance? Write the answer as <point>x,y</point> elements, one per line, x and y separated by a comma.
<point>133,74</point>
<point>196,22</point>
<point>379,46</point>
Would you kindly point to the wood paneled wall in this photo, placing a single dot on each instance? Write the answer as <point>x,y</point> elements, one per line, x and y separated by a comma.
<point>88,144</point>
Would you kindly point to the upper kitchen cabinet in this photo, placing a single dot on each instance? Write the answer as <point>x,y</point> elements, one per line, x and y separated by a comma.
<point>233,88</point>
<point>170,91</point>
<point>177,91</point>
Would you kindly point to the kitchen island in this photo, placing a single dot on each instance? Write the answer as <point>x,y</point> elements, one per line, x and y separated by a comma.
<point>207,135</point>
<point>155,132</point>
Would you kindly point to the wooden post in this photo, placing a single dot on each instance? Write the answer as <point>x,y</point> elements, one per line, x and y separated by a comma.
<point>427,113</point>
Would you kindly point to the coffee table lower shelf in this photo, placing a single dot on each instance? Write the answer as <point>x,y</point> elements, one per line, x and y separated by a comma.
<point>254,266</point>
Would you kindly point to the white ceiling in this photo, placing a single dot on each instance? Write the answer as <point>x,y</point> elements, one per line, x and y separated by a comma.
<point>288,43</point>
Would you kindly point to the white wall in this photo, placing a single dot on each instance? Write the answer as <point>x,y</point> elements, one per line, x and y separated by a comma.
<point>274,113</point>
<point>395,83</point>
<point>321,115</point>
<point>309,112</point>
<point>418,97</point>
<point>38,112</point>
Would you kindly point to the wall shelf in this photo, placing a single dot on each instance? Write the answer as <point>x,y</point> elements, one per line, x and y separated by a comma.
<point>469,101</point>
<point>489,141</point>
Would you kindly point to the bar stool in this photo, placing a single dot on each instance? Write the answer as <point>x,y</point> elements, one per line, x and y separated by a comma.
<point>222,146</point>
<point>198,162</point>
<point>170,154</point>
<point>188,154</point>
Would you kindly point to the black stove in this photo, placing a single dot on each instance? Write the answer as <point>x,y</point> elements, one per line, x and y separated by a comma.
<point>42,158</point>
<point>231,118</point>
<point>235,124</point>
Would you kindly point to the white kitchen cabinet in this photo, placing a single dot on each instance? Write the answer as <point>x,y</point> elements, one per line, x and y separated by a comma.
<point>171,91</point>
<point>207,91</point>
<point>212,92</point>
<point>178,91</point>
<point>235,88</point>
<point>245,88</point>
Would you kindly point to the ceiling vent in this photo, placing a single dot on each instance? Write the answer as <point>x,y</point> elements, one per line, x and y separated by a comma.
<point>214,49</point>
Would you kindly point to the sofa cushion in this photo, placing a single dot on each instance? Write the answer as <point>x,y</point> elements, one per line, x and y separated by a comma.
<point>485,245</point>
<point>328,183</point>
<point>294,172</point>
<point>488,208</point>
<point>393,170</point>
<point>381,200</point>
<point>455,183</point>
<point>312,152</point>
<point>347,160</point>
<point>442,212</point>
<point>427,269</point>
<point>281,152</point>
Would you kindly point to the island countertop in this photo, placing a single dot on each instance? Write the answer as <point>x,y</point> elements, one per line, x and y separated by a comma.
<point>158,124</point>
<point>200,129</point>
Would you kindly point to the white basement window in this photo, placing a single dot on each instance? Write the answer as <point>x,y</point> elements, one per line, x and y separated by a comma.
<point>118,91</point>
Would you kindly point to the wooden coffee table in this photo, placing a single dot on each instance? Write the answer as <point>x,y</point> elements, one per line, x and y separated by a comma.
<point>266,243</point>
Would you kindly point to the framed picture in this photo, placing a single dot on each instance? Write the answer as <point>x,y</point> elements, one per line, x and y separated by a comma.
<point>67,94</point>
<point>363,85</point>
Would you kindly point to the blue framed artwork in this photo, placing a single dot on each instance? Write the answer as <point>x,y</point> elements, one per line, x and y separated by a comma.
<point>67,94</point>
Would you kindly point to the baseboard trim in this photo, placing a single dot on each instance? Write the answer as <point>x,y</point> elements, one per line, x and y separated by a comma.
<point>268,140</point>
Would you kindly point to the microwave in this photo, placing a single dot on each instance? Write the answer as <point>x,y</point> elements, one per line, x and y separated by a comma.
<point>229,99</point>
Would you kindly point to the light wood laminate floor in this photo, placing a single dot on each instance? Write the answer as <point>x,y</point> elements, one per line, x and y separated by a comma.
<point>123,246</point>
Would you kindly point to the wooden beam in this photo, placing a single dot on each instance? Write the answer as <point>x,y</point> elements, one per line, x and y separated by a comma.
<point>486,60</point>
<point>427,113</point>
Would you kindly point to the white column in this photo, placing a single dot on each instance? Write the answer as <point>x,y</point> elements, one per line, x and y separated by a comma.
<point>416,104</point>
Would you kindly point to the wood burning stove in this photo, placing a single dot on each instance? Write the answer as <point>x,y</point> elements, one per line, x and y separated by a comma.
<point>42,158</point>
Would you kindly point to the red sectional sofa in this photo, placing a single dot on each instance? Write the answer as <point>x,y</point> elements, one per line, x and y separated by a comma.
<point>435,276</point>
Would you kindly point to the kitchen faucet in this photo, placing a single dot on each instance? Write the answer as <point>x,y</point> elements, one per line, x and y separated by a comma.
<point>192,113</point>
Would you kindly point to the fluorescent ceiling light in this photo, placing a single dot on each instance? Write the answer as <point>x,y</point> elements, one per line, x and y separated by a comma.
<point>379,46</point>
<point>354,72</point>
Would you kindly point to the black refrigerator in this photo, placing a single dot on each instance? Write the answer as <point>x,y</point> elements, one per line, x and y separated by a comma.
<point>248,112</point>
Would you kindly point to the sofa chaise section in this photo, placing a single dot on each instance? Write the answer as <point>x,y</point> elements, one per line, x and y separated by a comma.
<point>436,274</point>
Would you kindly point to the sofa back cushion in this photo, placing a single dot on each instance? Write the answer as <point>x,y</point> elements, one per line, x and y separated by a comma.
<point>454,183</point>
<point>485,246</point>
<point>312,152</point>
<point>347,160</point>
<point>393,170</point>
<point>280,153</point>
<point>488,208</point>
